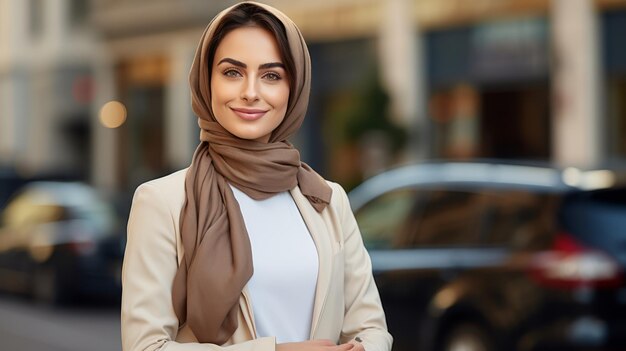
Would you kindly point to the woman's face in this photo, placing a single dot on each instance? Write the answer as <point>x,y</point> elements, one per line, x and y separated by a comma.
<point>249,84</point>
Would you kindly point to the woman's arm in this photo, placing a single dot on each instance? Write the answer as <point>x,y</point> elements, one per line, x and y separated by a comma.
<point>150,263</point>
<point>364,316</point>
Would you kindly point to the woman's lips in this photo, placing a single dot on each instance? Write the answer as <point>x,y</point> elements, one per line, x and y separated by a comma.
<point>249,114</point>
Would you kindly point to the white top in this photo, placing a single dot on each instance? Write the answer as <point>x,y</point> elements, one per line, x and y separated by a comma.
<point>282,288</point>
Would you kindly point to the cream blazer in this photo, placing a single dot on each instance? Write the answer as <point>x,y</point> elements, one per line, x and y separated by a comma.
<point>346,303</point>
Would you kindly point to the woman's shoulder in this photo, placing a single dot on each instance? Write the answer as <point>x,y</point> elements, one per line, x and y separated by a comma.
<point>169,189</point>
<point>174,179</point>
<point>336,187</point>
<point>339,197</point>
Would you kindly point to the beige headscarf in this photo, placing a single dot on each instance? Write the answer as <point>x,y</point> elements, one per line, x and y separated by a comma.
<point>217,262</point>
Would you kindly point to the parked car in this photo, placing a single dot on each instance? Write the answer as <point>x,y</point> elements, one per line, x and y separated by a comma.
<point>488,256</point>
<point>60,241</point>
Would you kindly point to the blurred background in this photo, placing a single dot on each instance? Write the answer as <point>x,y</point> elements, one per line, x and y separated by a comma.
<point>94,93</point>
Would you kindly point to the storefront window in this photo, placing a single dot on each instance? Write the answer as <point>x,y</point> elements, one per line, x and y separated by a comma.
<point>142,83</point>
<point>489,90</point>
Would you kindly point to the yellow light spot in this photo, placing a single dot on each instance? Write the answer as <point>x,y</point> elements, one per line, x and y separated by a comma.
<point>113,114</point>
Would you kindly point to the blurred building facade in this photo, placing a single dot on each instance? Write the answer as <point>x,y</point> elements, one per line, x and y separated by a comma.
<point>46,86</point>
<point>514,79</point>
<point>149,46</point>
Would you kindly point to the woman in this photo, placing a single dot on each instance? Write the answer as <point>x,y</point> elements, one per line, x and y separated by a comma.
<point>248,248</point>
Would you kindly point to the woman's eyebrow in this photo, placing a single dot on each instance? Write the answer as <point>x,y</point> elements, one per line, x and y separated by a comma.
<point>272,65</point>
<point>243,65</point>
<point>233,62</point>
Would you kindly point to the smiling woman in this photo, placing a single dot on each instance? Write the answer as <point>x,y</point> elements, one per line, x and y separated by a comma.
<point>249,247</point>
<point>249,84</point>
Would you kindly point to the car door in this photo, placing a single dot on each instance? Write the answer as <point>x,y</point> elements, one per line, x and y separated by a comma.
<point>420,240</point>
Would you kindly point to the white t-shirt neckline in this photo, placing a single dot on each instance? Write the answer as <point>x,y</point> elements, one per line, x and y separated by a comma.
<point>286,263</point>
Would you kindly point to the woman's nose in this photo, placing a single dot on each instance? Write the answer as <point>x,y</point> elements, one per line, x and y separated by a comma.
<point>249,91</point>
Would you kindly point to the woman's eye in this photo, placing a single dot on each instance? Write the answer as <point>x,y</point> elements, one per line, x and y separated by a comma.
<point>272,76</point>
<point>231,73</point>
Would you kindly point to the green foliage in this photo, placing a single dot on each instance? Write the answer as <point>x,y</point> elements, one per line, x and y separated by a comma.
<point>370,112</point>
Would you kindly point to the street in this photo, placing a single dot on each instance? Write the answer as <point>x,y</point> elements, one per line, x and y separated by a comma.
<point>27,326</point>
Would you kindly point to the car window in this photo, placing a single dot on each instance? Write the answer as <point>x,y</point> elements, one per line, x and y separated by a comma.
<point>613,196</point>
<point>443,218</point>
<point>381,218</point>
<point>520,219</point>
<point>410,218</point>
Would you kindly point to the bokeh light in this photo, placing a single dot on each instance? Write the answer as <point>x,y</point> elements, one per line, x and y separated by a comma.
<point>113,114</point>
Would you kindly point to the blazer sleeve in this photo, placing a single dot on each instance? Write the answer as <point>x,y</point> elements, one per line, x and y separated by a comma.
<point>148,319</point>
<point>364,316</point>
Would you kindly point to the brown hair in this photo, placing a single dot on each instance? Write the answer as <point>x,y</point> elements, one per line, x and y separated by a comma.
<point>250,15</point>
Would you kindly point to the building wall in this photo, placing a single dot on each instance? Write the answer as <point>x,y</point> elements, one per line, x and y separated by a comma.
<point>45,86</point>
<point>46,66</point>
<point>10,80</point>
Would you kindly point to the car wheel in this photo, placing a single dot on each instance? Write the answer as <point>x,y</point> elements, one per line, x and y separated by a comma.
<point>467,337</point>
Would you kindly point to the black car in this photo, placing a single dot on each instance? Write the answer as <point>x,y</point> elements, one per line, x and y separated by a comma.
<point>488,256</point>
<point>60,241</point>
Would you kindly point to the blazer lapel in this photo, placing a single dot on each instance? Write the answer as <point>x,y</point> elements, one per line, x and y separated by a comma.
<point>318,230</point>
<point>248,313</point>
